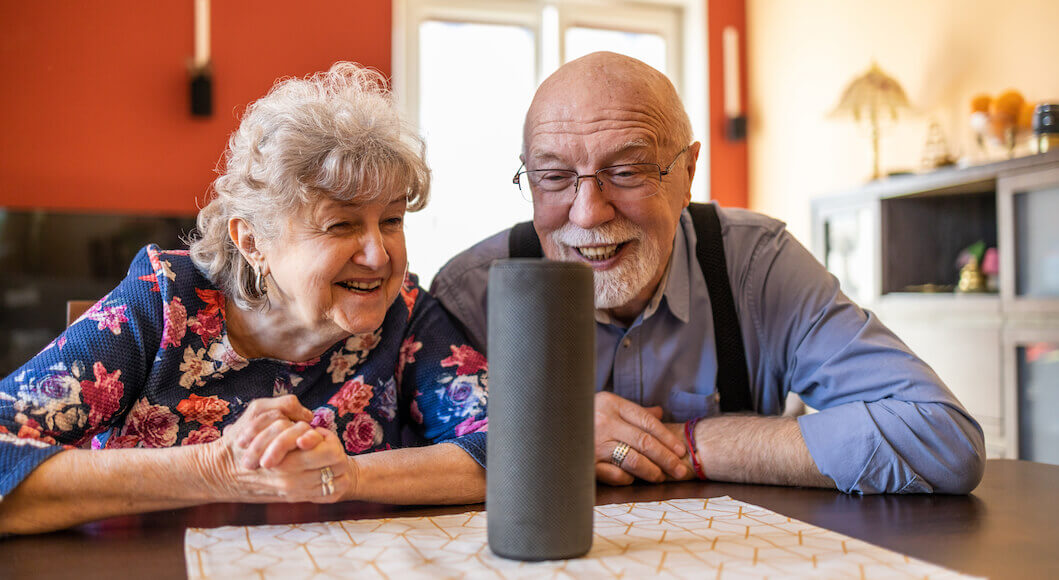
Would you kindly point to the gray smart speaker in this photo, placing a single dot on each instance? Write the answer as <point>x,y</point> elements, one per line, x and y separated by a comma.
<point>541,485</point>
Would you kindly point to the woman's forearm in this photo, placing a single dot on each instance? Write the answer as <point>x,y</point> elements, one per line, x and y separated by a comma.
<point>77,486</point>
<point>437,474</point>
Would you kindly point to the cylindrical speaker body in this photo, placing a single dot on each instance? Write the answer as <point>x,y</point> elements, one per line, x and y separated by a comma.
<point>540,483</point>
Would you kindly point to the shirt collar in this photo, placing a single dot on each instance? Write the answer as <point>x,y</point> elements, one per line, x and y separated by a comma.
<point>674,286</point>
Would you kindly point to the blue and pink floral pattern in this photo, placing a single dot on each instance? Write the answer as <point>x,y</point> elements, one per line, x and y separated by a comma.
<point>150,365</point>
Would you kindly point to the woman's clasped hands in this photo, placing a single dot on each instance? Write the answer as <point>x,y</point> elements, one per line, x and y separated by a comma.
<point>272,453</point>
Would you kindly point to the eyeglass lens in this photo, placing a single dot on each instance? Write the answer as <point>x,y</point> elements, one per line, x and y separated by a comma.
<point>621,182</point>
<point>617,183</point>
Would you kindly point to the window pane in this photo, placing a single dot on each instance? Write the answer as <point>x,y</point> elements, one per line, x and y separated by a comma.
<point>475,84</point>
<point>650,48</point>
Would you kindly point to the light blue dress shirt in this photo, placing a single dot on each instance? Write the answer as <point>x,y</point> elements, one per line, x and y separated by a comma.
<point>886,422</point>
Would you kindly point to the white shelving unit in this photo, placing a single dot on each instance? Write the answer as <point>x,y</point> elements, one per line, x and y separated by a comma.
<point>999,353</point>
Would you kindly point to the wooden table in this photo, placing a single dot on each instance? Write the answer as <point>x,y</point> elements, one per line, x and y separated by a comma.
<point>1006,528</point>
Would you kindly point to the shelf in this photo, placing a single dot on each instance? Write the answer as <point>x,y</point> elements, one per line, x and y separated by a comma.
<point>923,235</point>
<point>932,305</point>
<point>900,233</point>
<point>935,297</point>
<point>948,181</point>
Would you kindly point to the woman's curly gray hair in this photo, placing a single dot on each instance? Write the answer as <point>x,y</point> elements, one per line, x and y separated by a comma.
<point>335,134</point>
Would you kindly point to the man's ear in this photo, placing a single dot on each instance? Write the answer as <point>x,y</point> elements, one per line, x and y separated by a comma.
<point>242,235</point>
<point>691,162</point>
<point>693,159</point>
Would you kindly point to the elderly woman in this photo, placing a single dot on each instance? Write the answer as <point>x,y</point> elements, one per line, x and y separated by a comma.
<point>264,364</point>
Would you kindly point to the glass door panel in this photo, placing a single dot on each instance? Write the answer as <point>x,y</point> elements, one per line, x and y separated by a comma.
<point>848,249</point>
<point>1038,401</point>
<point>1037,243</point>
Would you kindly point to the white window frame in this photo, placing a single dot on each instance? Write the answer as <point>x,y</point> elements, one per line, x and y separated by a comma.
<point>689,28</point>
<point>627,16</point>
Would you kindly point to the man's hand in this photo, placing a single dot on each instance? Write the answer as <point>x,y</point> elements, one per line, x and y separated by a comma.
<point>655,450</point>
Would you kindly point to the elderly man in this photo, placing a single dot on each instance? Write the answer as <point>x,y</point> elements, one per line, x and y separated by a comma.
<point>609,159</point>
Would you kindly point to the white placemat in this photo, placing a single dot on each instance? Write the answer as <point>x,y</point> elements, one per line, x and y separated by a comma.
<point>683,538</point>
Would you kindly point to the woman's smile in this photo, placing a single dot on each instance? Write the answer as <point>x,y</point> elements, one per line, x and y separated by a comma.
<point>361,285</point>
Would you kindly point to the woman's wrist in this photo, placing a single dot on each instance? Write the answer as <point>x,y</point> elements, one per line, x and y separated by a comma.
<point>355,481</point>
<point>213,464</point>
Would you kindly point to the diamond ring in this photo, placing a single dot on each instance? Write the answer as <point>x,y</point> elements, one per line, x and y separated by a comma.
<point>618,455</point>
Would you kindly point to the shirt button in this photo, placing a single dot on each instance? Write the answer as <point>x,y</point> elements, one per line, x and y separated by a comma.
<point>627,342</point>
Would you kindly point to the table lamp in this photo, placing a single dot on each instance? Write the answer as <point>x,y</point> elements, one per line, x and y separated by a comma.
<point>869,97</point>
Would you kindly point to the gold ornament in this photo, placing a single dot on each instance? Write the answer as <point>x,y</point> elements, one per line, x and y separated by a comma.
<point>971,278</point>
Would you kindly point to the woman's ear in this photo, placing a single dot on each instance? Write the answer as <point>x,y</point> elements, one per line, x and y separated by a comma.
<point>242,235</point>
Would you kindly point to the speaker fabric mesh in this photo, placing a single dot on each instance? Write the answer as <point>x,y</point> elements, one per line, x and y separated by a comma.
<point>541,480</point>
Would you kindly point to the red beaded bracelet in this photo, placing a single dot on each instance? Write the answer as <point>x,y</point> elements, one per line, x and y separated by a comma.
<point>689,436</point>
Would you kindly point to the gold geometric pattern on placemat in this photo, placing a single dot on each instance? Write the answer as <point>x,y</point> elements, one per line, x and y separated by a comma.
<point>682,538</point>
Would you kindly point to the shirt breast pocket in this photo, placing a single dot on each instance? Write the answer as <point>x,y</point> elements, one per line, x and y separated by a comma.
<point>684,406</point>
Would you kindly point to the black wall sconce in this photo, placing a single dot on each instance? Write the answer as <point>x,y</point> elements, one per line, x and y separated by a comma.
<point>201,91</point>
<point>200,69</point>
<point>734,118</point>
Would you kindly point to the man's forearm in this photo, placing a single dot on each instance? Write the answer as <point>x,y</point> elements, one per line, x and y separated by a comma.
<point>755,449</point>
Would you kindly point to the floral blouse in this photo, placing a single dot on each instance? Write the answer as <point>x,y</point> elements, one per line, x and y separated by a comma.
<point>150,365</point>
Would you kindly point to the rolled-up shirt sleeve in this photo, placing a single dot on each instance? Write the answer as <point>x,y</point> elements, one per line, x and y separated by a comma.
<point>886,422</point>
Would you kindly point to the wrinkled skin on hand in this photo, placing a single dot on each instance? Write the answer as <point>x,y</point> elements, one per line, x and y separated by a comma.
<point>656,450</point>
<point>272,454</point>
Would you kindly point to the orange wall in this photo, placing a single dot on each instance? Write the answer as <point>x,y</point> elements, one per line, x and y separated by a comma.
<point>94,104</point>
<point>728,159</point>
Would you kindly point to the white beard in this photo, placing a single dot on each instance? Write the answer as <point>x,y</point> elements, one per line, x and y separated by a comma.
<point>623,282</point>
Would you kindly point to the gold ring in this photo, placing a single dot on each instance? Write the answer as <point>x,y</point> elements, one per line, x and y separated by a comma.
<point>618,455</point>
<point>327,479</point>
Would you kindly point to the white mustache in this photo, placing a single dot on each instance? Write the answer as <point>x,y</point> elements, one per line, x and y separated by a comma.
<point>612,232</point>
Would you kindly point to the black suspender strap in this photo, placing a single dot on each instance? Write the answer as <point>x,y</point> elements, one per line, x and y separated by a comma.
<point>523,242</point>
<point>733,382</point>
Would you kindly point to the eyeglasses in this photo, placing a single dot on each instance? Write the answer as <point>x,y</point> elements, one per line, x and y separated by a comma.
<point>627,182</point>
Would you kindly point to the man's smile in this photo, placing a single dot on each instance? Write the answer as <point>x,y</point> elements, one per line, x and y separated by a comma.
<point>599,253</point>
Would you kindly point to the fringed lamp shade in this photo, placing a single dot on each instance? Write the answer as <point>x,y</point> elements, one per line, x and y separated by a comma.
<point>868,97</point>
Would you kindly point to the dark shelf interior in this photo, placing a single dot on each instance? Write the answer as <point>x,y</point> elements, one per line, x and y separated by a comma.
<point>923,235</point>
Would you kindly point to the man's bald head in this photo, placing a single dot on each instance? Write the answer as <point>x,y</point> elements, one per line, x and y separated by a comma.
<point>602,115</point>
<point>588,87</point>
